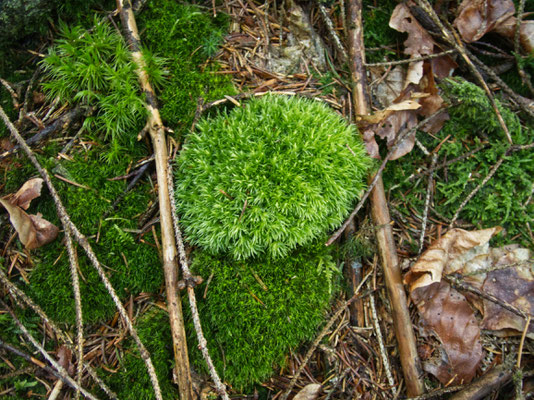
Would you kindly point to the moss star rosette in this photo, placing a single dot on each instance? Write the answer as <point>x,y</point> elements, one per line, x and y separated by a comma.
<point>266,177</point>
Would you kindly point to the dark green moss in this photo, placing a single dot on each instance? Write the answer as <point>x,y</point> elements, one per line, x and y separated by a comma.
<point>132,266</point>
<point>501,201</point>
<point>186,36</point>
<point>376,30</point>
<point>254,313</point>
<point>131,382</point>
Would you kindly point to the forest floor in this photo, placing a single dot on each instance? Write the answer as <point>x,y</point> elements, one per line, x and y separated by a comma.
<point>449,184</point>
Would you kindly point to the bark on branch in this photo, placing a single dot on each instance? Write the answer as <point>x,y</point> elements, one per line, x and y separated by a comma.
<point>384,235</point>
<point>170,266</point>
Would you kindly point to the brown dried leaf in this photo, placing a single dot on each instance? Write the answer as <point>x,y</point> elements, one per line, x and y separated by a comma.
<point>33,230</point>
<point>308,392</point>
<point>29,191</point>
<point>526,32</point>
<point>387,83</point>
<point>448,255</point>
<point>64,358</point>
<point>446,312</point>
<point>478,17</point>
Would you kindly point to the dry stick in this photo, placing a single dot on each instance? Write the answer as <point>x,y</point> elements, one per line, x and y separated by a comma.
<point>14,96</point>
<point>397,142</point>
<point>188,278</point>
<point>170,265</point>
<point>332,31</point>
<point>453,39</point>
<point>20,297</point>
<point>63,375</point>
<point>383,354</point>
<point>82,240</point>
<point>411,60</point>
<point>322,334</point>
<point>73,263</point>
<point>522,343</point>
<point>482,387</point>
<point>404,333</point>
<point>427,202</point>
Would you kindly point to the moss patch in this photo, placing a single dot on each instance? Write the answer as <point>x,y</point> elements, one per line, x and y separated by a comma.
<point>500,202</point>
<point>186,36</point>
<point>132,266</point>
<point>254,313</point>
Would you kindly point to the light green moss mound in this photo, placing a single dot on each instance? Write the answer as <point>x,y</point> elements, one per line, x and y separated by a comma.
<point>255,312</point>
<point>266,177</point>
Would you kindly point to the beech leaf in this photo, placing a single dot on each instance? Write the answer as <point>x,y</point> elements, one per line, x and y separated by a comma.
<point>308,392</point>
<point>478,17</point>
<point>34,231</point>
<point>447,314</point>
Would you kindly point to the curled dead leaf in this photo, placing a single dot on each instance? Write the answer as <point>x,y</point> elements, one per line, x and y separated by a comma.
<point>447,255</point>
<point>34,231</point>
<point>478,17</point>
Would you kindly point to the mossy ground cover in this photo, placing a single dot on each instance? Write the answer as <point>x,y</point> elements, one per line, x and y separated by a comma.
<point>503,199</point>
<point>254,313</point>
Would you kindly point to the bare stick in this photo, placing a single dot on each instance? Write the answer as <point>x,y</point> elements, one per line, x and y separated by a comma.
<point>453,39</point>
<point>82,240</point>
<point>383,353</point>
<point>321,335</point>
<point>427,202</point>
<point>411,365</point>
<point>411,60</point>
<point>522,343</point>
<point>190,283</point>
<point>482,387</point>
<point>170,265</point>
<point>332,31</point>
<point>20,297</point>
<point>63,375</point>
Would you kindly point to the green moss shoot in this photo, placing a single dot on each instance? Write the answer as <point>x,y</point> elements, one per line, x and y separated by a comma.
<point>264,178</point>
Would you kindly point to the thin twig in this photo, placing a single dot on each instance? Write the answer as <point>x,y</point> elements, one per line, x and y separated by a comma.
<point>188,278</point>
<point>332,31</point>
<point>427,203</point>
<point>380,339</point>
<point>61,373</point>
<point>522,343</point>
<point>73,263</point>
<point>411,60</point>
<point>479,186</point>
<point>82,240</point>
<point>398,140</point>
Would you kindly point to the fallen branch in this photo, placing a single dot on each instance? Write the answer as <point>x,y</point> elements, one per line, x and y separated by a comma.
<point>170,266</point>
<point>404,333</point>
